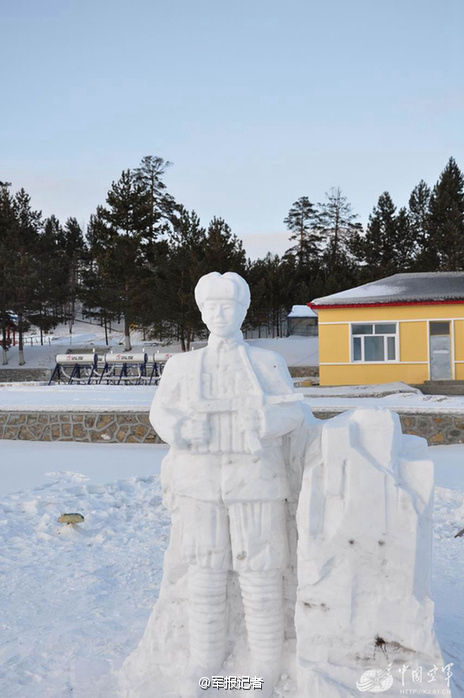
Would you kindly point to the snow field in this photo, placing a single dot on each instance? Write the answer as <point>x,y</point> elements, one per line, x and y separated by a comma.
<point>74,601</point>
<point>297,351</point>
<point>113,398</point>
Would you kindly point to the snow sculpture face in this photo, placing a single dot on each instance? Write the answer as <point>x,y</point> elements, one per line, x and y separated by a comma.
<point>223,301</point>
<point>223,317</point>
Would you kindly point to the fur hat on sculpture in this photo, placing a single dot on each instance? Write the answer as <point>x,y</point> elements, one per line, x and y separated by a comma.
<point>228,286</point>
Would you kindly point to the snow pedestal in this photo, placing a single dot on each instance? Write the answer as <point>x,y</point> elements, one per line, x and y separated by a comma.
<point>364,560</point>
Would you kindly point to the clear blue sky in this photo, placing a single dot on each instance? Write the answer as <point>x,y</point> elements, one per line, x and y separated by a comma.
<point>255,102</point>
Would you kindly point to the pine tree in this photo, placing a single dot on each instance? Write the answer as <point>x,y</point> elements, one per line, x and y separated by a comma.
<point>223,250</point>
<point>128,207</point>
<point>405,240</point>
<point>149,176</point>
<point>447,218</point>
<point>25,271</point>
<point>336,223</point>
<point>98,298</point>
<point>123,231</point>
<point>419,221</point>
<point>419,202</point>
<point>96,291</point>
<point>7,260</point>
<point>186,264</point>
<point>388,246</point>
<point>270,294</point>
<point>301,222</point>
<point>52,282</point>
<point>302,261</point>
<point>150,296</point>
<point>74,249</point>
<point>379,242</point>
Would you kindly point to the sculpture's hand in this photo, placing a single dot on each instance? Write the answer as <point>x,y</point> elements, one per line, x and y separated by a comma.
<point>195,431</point>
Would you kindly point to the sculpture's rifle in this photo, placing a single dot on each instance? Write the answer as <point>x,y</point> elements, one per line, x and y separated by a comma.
<point>249,402</point>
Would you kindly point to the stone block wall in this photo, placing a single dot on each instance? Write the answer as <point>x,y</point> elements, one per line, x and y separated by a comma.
<point>447,429</point>
<point>299,371</point>
<point>91,427</point>
<point>19,375</point>
<point>134,427</point>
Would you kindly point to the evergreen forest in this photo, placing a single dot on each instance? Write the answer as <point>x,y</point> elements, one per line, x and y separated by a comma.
<point>143,252</point>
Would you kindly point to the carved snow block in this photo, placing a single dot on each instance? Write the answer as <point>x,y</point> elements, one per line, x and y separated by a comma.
<point>364,556</point>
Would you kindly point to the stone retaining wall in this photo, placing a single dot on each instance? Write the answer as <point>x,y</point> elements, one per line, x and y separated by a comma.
<point>92,427</point>
<point>303,371</point>
<point>134,427</point>
<point>19,375</point>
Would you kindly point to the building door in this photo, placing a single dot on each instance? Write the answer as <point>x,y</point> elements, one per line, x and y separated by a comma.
<point>440,351</point>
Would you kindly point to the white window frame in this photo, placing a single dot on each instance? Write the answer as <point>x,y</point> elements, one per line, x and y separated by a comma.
<point>362,360</point>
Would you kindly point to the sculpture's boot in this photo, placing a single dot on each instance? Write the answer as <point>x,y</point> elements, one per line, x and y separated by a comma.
<point>207,627</point>
<point>262,594</point>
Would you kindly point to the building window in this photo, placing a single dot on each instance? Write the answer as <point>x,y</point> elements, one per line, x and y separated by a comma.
<point>374,341</point>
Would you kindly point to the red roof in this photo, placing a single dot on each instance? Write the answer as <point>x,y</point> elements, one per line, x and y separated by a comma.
<point>314,305</point>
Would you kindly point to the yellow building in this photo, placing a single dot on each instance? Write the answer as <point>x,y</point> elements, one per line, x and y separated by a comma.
<point>407,327</point>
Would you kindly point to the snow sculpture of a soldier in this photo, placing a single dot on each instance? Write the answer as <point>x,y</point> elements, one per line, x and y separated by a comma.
<point>245,456</point>
<point>224,410</point>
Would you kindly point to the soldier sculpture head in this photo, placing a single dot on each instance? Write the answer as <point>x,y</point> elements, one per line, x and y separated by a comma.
<point>223,300</point>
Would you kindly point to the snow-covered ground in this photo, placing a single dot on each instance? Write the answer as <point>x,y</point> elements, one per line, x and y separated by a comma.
<point>35,396</point>
<point>38,356</point>
<point>297,351</point>
<point>373,390</point>
<point>74,601</point>
<point>404,402</point>
<point>26,465</point>
<point>27,396</point>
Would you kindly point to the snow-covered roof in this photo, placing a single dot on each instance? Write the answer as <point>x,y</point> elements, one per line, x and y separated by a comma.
<point>301,311</point>
<point>401,288</point>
